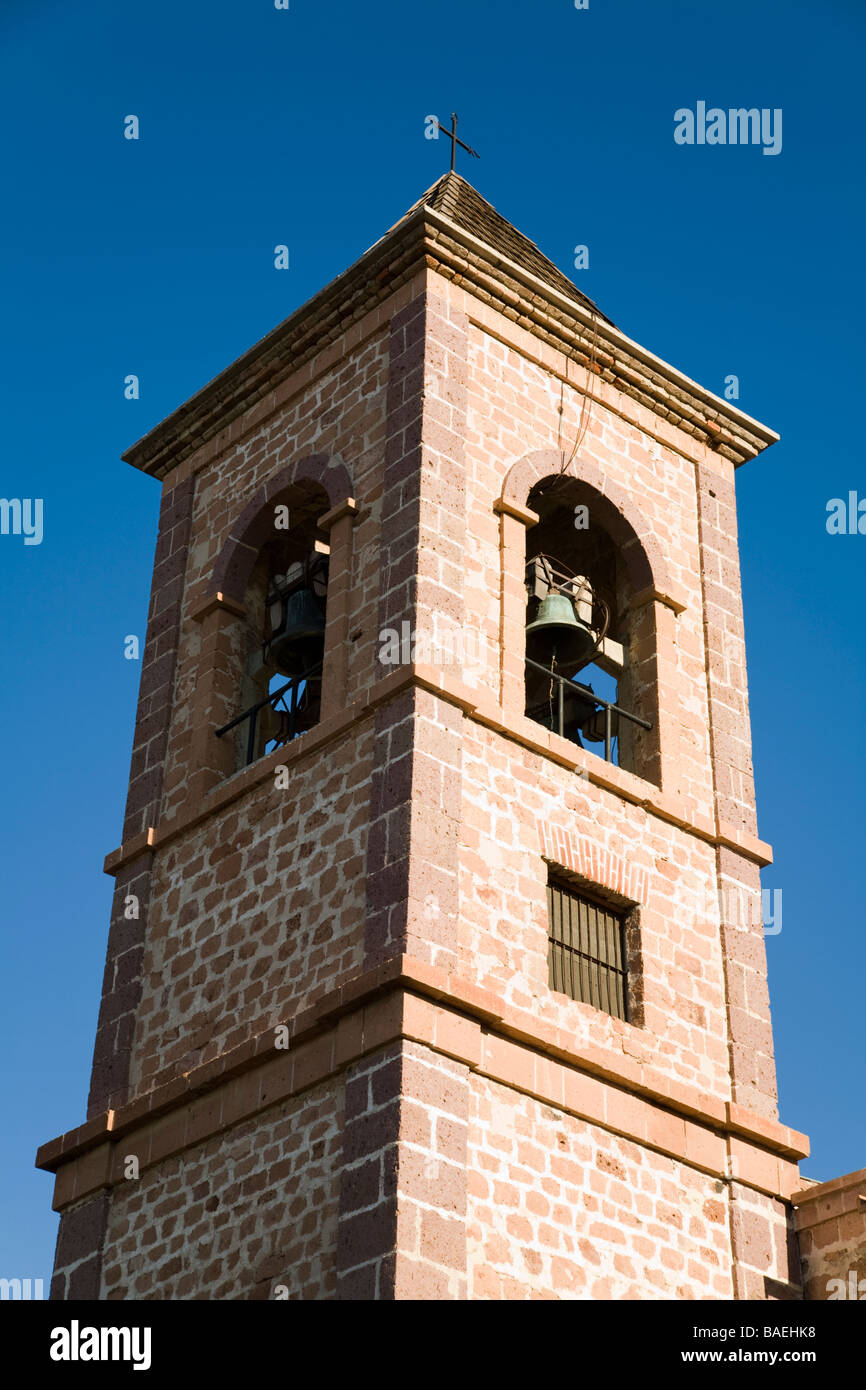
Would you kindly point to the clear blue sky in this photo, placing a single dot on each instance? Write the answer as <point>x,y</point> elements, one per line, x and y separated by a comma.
<point>305,127</point>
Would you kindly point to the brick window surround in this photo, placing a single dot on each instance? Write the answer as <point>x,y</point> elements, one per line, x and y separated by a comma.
<point>583,867</point>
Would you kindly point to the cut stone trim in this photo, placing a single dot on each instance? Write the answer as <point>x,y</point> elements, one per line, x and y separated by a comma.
<point>653,595</point>
<point>121,990</point>
<point>367,1223</point>
<point>348,507</point>
<point>618,514</point>
<point>402,1225</point>
<point>523,731</point>
<point>503,506</point>
<point>211,603</point>
<point>255,524</point>
<point>847,1193</point>
<point>453,1018</point>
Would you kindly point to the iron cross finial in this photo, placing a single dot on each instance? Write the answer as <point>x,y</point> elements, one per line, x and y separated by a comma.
<point>452,136</point>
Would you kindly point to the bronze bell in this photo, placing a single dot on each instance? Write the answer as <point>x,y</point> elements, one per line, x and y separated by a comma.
<point>558,635</point>
<point>593,728</point>
<point>298,641</point>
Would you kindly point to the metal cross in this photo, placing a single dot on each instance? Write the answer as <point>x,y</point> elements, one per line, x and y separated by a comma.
<point>452,136</point>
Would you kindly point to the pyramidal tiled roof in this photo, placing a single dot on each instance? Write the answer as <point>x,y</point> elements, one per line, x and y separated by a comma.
<point>450,226</point>
<point>462,204</point>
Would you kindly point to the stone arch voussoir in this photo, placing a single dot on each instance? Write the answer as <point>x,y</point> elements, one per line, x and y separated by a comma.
<point>254,525</point>
<point>616,510</point>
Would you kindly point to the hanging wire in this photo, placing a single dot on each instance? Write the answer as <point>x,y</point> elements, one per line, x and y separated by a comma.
<point>586,403</point>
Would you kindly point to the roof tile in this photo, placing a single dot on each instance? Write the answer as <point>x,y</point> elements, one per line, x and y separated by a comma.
<point>463,205</point>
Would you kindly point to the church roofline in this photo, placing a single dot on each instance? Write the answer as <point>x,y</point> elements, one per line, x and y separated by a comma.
<point>427,236</point>
<point>603,328</point>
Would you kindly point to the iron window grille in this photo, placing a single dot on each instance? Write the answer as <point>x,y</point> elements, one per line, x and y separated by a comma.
<point>586,950</point>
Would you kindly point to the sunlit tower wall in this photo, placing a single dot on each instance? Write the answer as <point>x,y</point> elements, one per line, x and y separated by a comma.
<point>413,990</point>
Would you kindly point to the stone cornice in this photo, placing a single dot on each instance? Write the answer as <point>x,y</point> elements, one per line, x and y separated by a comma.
<point>617,358</point>
<point>428,238</point>
<point>211,603</point>
<point>476,704</point>
<point>824,1200</point>
<point>407,998</point>
<point>366,284</point>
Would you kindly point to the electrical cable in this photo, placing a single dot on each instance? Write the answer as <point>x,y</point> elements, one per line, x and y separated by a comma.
<point>587,401</point>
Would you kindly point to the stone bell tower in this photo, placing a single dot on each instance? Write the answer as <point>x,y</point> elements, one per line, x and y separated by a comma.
<point>436,967</point>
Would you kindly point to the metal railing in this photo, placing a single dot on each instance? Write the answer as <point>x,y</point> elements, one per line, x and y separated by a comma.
<point>582,695</point>
<point>289,710</point>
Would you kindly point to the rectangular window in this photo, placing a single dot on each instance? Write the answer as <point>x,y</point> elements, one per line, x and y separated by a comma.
<point>586,950</point>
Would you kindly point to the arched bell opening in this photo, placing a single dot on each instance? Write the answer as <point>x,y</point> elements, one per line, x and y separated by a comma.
<point>587,674</point>
<point>281,644</point>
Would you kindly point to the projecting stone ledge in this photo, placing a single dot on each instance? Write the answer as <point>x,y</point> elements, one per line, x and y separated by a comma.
<point>830,1219</point>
